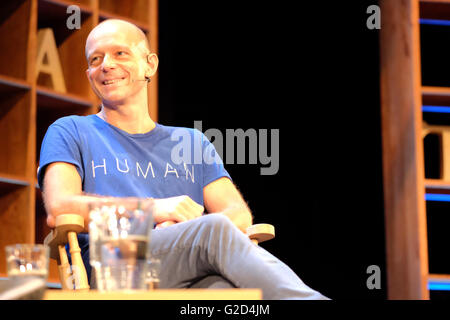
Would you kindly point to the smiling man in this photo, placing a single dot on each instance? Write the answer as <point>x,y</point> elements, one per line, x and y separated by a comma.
<point>121,152</point>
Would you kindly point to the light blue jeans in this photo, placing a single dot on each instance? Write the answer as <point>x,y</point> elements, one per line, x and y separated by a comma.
<point>212,252</point>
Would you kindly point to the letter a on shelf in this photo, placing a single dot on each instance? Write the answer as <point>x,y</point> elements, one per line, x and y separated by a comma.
<point>48,59</point>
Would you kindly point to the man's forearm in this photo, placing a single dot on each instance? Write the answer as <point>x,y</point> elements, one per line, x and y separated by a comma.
<point>70,204</point>
<point>80,204</point>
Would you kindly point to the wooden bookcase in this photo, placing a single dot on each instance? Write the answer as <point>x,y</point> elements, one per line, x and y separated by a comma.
<point>405,88</point>
<point>28,104</point>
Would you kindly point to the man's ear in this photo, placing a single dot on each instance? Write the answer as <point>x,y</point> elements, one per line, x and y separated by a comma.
<point>152,64</point>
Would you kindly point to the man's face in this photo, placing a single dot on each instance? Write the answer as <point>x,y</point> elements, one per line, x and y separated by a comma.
<point>116,58</point>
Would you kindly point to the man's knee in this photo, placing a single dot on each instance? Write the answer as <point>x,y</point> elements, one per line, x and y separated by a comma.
<point>216,221</point>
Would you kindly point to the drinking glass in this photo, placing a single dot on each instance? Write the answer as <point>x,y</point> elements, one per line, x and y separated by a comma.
<point>27,261</point>
<point>119,243</point>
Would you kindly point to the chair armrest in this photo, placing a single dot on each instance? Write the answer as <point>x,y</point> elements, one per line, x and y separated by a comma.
<point>64,223</point>
<point>66,228</point>
<point>261,232</point>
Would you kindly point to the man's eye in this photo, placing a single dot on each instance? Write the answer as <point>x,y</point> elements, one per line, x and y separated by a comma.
<point>121,53</point>
<point>94,59</point>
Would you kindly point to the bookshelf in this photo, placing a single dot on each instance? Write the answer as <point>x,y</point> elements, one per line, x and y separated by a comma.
<point>28,104</point>
<point>415,91</point>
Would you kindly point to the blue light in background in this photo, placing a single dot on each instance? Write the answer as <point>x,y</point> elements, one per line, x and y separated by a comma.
<point>435,22</point>
<point>441,286</point>
<point>437,197</point>
<point>438,109</point>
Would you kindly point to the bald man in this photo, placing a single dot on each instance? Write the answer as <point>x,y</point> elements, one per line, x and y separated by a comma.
<point>121,152</point>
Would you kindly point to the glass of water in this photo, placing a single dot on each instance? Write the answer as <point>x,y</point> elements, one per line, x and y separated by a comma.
<point>119,243</point>
<point>153,271</point>
<point>27,261</point>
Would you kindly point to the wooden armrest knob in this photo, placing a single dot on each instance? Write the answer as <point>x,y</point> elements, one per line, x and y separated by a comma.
<point>64,223</point>
<point>261,232</point>
<point>66,228</point>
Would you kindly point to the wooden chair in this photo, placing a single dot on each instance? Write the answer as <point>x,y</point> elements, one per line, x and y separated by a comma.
<point>74,277</point>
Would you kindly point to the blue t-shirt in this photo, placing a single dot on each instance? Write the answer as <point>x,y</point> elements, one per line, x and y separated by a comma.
<point>165,162</point>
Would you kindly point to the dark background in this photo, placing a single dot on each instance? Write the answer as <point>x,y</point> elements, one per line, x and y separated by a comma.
<point>311,71</point>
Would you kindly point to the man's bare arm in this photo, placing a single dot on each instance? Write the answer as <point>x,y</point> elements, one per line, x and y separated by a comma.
<point>63,193</point>
<point>222,196</point>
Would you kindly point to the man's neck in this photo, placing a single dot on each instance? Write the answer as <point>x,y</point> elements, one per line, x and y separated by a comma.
<point>132,117</point>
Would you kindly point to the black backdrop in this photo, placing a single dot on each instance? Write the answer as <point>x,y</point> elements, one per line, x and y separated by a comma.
<point>311,71</point>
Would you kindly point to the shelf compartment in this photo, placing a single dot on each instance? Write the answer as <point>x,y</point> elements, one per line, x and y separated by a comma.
<point>432,9</point>
<point>136,11</point>
<point>14,25</point>
<point>52,105</point>
<point>438,221</point>
<point>15,128</point>
<point>434,52</point>
<point>103,15</point>
<point>70,44</point>
<point>16,219</point>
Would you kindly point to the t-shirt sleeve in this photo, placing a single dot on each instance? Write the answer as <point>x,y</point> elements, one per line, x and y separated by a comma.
<point>60,144</point>
<point>213,167</point>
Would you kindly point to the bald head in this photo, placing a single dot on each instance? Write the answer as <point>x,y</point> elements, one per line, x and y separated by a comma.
<point>119,28</point>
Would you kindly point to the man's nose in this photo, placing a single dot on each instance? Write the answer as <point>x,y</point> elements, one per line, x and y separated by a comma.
<point>108,63</point>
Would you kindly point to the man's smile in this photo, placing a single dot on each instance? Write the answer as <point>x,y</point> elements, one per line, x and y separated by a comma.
<point>113,81</point>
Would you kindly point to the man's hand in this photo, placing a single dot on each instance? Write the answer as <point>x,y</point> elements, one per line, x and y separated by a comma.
<point>172,210</point>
